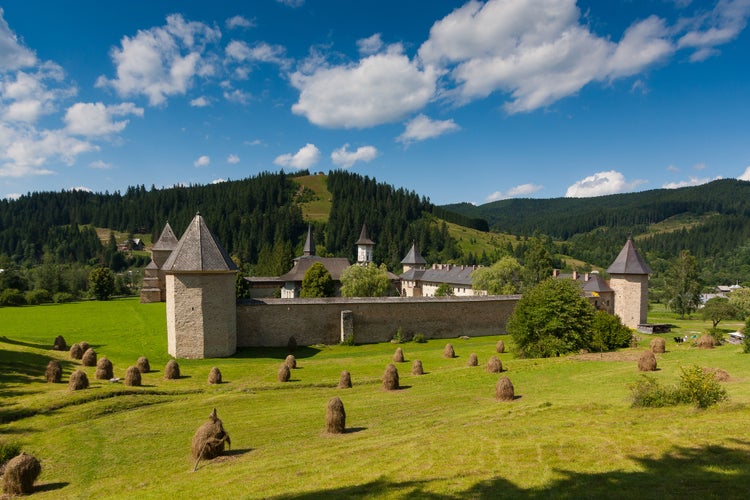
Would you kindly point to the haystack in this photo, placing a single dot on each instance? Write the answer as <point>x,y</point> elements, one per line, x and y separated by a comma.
<point>104,369</point>
<point>291,344</point>
<point>390,378</point>
<point>143,365</point>
<point>500,347</point>
<point>647,362</point>
<point>84,346</point>
<point>208,440</point>
<point>398,356</point>
<point>214,376</point>
<point>504,390</point>
<point>494,365</point>
<point>706,342</point>
<point>172,370</point>
<point>345,380</point>
<point>89,357</point>
<point>658,345</point>
<point>335,416</point>
<point>133,376</point>
<point>20,474</point>
<point>448,352</point>
<point>60,344</point>
<point>719,374</point>
<point>416,368</point>
<point>473,360</point>
<point>291,362</point>
<point>284,373</point>
<point>78,380</point>
<point>53,373</point>
<point>75,351</point>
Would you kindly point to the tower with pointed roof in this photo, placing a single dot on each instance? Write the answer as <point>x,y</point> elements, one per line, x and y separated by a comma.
<point>365,247</point>
<point>154,287</point>
<point>201,299</point>
<point>629,281</point>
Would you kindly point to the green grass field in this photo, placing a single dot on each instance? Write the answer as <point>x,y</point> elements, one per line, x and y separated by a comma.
<point>570,433</point>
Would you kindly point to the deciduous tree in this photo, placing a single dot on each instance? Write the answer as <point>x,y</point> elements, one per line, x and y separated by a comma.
<point>366,281</point>
<point>101,283</point>
<point>502,278</point>
<point>317,282</point>
<point>682,285</point>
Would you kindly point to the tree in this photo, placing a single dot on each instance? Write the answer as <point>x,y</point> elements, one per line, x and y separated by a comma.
<point>444,290</point>
<point>740,299</point>
<point>682,284</point>
<point>718,309</point>
<point>608,332</point>
<point>538,263</point>
<point>553,318</point>
<point>366,281</point>
<point>101,283</point>
<point>317,282</point>
<point>502,278</point>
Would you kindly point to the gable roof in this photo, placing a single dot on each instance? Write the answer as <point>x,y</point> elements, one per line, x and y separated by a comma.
<point>629,261</point>
<point>596,284</point>
<point>363,238</point>
<point>334,265</point>
<point>167,240</point>
<point>199,251</point>
<point>413,257</point>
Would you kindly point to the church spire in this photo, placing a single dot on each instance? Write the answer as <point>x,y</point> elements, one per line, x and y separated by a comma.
<point>309,249</point>
<point>365,247</point>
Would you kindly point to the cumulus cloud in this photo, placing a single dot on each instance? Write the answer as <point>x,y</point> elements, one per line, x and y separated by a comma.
<point>600,184</point>
<point>379,88</point>
<point>13,196</point>
<point>713,28</point>
<point>202,161</point>
<point>520,191</point>
<point>421,127</point>
<point>344,158</point>
<point>370,45</point>
<point>745,175</point>
<point>199,102</point>
<point>306,157</point>
<point>162,61</point>
<point>82,188</point>
<point>100,164</point>
<point>233,159</point>
<point>13,55</point>
<point>235,22</point>
<point>692,181</point>
<point>92,119</point>
<point>25,151</point>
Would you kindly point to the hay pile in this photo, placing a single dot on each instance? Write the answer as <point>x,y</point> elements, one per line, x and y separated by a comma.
<point>390,378</point>
<point>335,416</point>
<point>20,474</point>
<point>448,352</point>
<point>133,376</point>
<point>75,351</point>
<point>60,344</point>
<point>504,390</point>
<point>658,345</point>
<point>398,356</point>
<point>291,362</point>
<point>416,368</point>
<point>143,365</point>
<point>706,342</point>
<point>53,373</point>
<point>78,380</point>
<point>104,369</point>
<point>500,347</point>
<point>473,360</point>
<point>284,373</point>
<point>84,346</point>
<point>291,344</point>
<point>494,365</point>
<point>214,376</point>
<point>208,440</point>
<point>647,362</point>
<point>719,374</point>
<point>89,357</point>
<point>345,380</point>
<point>172,370</point>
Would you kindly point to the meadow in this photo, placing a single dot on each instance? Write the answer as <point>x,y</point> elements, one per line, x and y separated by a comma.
<point>570,433</point>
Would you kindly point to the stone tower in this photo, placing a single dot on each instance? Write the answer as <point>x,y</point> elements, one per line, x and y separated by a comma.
<point>629,281</point>
<point>154,287</point>
<point>365,247</point>
<point>201,298</point>
<point>413,259</point>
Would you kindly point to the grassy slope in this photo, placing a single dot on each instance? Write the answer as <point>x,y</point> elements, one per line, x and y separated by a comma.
<point>319,209</point>
<point>570,433</point>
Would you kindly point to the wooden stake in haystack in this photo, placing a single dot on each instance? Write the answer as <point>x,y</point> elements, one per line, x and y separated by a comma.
<point>209,439</point>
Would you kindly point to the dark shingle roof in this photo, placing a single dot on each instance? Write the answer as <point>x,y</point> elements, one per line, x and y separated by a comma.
<point>596,284</point>
<point>334,265</point>
<point>363,238</point>
<point>167,240</point>
<point>199,250</point>
<point>629,261</point>
<point>450,274</point>
<point>413,257</point>
<point>309,248</point>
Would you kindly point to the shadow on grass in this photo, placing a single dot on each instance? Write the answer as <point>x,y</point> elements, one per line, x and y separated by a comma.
<point>714,471</point>
<point>26,344</point>
<point>50,486</point>
<point>19,367</point>
<point>274,352</point>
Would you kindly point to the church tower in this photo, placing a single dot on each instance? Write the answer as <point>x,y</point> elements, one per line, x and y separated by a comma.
<point>154,286</point>
<point>201,298</point>
<point>629,281</point>
<point>365,247</point>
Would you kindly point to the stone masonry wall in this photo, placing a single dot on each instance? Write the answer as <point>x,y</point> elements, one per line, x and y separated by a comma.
<point>631,298</point>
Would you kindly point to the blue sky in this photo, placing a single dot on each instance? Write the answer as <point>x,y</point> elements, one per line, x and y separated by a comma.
<point>458,101</point>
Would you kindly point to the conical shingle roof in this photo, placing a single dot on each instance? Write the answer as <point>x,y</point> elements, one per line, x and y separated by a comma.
<point>167,240</point>
<point>309,249</point>
<point>413,257</point>
<point>198,250</point>
<point>363,238</point>
<point>629,261</point>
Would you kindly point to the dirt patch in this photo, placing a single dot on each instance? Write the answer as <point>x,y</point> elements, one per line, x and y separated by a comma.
<point>608,356</point>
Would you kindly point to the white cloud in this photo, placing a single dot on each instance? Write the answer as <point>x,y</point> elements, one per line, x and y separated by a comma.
<point>344,158</point>
<point>25,151</point>
<point>199,102</point>
<point>81,188</point>
<point>719,26</point>
<point>13,196</point>
<point>218,181</point>
<point>292,3</point>
<point>13,55</point>
<point>27,95</point>
<point>370,45</point>
<point>692,181</point>
<point>520,191</point>
<point>600,184</point>
<point>162,61</point>
<point>100,164</point>
<point>202,161</point>
<point>673,168</point>
<point>233,159</point>
<point>745,175</point>
<point>421,127</point>
<point>306,157</point>
<point>92,119</point>
<point>380,88</point>
<point>237,96</point>
<point>235,22</point>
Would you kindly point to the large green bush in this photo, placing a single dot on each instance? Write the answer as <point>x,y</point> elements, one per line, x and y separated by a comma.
<point>101,283</point>
<point>608,332</point>
<point>12,297</point>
